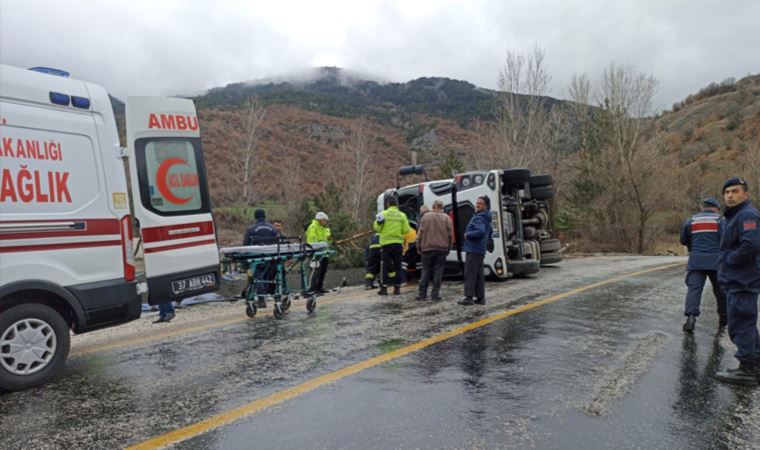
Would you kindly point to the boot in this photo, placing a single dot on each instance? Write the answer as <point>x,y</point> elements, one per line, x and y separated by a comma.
<point>480,301</point>
<point>397,290</point>
<point>744,374</point>
<point>369,285</point>
<point>467,301</point>
<point>691,321</point>
<point>383,290</point>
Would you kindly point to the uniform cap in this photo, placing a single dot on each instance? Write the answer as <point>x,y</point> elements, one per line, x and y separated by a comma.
<point>734,181</point>
<point>321,216</point>
<point>709,201</point>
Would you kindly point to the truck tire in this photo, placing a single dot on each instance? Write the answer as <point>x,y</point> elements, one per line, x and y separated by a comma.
<point>542,192</point>
<point>519,269</point>
<point>541,180</point>
<point>34,344</point>
<point>550,258</point>
<point>516,176</point>
<point>550,245</point>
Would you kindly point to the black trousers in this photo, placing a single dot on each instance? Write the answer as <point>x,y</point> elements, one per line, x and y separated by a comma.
<point>373,265</point>
<point>474,280</point>
<point>392,264</point>
<point>318,275</point>
<point>432,268</point>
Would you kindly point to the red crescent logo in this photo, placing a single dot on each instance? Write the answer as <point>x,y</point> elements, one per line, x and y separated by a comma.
<point>163,188</point>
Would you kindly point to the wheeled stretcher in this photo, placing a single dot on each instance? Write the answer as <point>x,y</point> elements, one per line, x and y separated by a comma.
<point>267,266</point>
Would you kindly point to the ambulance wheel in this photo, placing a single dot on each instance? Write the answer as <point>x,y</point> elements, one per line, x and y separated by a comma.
<point>311,304</point>
<point>278,311</point>
<point>34,344</point>
<point>251,310</point>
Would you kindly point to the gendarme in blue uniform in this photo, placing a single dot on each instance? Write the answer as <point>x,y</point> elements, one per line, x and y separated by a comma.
<point>739,274</point>
<point>701,235</point>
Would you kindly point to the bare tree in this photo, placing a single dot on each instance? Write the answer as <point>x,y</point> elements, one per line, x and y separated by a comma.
<point>247,164</point>
<point>751,160</point>
<point>619,190</point>
<point>350,172</point>
<point>521,125</point>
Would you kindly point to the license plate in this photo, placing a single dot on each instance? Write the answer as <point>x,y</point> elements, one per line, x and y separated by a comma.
<point>195,283</point>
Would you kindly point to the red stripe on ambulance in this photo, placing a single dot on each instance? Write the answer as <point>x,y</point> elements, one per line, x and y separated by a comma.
<point>181,231</point>
<point>164,248</point>
<point>63,246</point>
<point>89,227</point>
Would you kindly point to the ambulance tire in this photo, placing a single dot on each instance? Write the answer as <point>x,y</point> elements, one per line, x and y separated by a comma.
<point>516,176</point>
<point>49,323</point>
<point>542,192</point>
<point>250,311</point>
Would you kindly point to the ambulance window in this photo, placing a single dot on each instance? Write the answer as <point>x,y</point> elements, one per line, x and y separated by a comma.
<point>172,176</point>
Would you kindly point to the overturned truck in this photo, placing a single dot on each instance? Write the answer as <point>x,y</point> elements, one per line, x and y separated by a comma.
<point>521,216</point>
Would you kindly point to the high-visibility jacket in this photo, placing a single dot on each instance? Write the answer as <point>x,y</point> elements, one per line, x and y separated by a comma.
<point>409,238</point>
<point>394,226</point>
<point>317,233</point>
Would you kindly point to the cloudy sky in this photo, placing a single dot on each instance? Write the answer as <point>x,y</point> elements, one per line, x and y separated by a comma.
<point>163,47</point>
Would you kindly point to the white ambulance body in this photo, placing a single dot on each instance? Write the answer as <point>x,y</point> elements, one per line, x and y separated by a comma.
<point>66,256</point>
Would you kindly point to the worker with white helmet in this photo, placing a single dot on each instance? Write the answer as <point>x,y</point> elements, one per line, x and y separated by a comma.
<point>319,232</point>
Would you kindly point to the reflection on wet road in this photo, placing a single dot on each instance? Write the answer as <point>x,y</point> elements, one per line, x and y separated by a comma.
<point>607,367</point>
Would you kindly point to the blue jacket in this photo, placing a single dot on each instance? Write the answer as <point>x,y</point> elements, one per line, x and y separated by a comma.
<point>701,235</point>
<point>478,233</point>
<point>740,249</point>
<point>260,233</point>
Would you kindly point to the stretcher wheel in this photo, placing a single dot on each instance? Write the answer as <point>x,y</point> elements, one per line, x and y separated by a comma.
<point>286,303</point>
<point>311,304</point>
<point>278,311</point>
<point>250,310</point>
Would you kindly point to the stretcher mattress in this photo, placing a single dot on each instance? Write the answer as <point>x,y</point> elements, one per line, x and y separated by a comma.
<point>272,249</point>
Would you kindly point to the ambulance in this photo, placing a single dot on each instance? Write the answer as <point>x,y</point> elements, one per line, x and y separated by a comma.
<point>66,226</point>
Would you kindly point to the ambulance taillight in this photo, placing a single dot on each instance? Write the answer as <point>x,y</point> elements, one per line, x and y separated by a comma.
<point>127,250</point>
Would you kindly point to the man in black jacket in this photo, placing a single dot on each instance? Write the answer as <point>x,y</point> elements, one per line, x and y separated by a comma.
<point>262,233</point>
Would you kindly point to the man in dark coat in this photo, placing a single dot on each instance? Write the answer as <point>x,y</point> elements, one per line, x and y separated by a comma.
<point>476,235</point>
<point>739,274</point>
<point>262,233</point>
<point>701,235</point>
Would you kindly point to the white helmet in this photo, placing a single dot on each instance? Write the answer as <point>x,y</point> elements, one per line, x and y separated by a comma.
<point>321,216</point>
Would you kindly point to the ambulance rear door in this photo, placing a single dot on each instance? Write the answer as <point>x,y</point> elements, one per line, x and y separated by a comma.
<point>171,199</point>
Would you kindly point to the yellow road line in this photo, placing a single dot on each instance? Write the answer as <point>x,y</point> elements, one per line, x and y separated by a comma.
<point>248,409</point>
<point>134,342</point>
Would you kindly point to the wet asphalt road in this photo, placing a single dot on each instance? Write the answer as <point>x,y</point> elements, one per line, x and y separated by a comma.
<point>604,368</point>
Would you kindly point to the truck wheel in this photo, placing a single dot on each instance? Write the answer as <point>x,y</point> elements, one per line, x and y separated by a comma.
<point>516,176</point>
<point>542,192</point>
<point>550,258</point>
<point>34,344</point>
<point>541,180</point>
<point>550,245</point>
<point>522,268</point>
